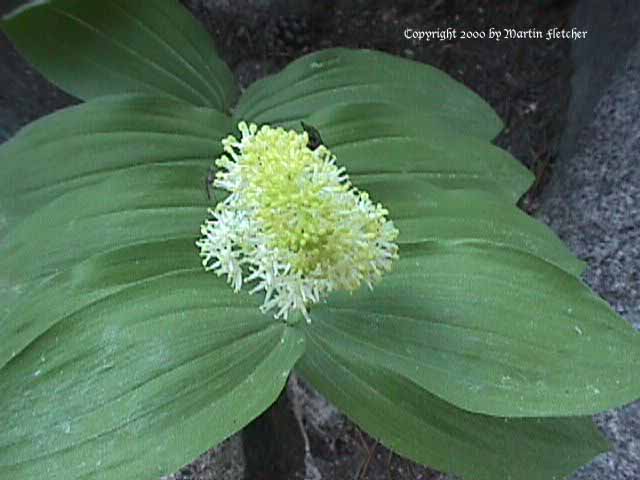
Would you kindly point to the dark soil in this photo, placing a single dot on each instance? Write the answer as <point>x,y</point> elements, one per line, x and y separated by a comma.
<point>24,94</point>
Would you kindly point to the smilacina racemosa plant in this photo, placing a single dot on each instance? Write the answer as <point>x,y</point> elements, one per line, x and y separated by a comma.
<point>387,264</point>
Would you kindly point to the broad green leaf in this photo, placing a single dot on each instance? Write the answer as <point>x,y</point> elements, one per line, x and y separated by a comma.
<point>129,208</point>
<point>28,316</point>
<point>144,362</point>
<point>92,48</point>
<point>491,330</point>
<point>342,76</point>
<point>151,203</point>
<point>424,213</point>
<point>121,357</point>
<point>374,140</point>
<point>91,142</point>
<point>419,425</point>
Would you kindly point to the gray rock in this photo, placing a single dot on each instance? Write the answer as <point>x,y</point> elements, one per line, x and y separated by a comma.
<point>613,29</point>
<point>593,203</point>
<point>622,428</point>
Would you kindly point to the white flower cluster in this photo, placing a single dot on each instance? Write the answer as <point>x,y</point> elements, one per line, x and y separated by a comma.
<point>293,223</point>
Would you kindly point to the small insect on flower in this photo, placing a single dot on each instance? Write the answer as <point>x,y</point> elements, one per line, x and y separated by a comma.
<point>315,140</point>
<point>208,183</point>
<point>293,225</point>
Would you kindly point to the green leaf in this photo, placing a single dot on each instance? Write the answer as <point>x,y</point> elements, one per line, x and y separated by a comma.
<point>339,76</point>
<point>96,177</point>
<point>92,48</point>
<point>491,330</point>
<point>121,357</point>
<point>146,204</point>
<point>424,213</point>
<point>86,144</point>
<point>418,425</point>
<point>377,140</point>
<point>144,362</point>
<point>32,314</point>
<point>385,117</point>
<point>128,208</point>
